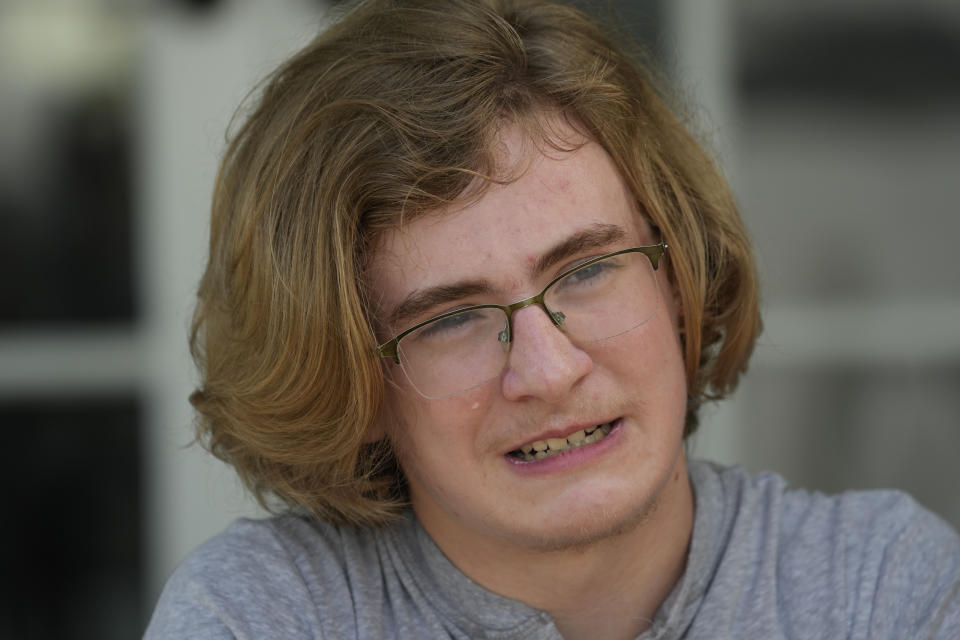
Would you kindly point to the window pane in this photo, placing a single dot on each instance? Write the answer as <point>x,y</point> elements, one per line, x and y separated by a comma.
<point>70,556</point>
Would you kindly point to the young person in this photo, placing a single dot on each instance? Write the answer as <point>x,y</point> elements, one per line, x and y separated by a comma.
<point>469,281</point>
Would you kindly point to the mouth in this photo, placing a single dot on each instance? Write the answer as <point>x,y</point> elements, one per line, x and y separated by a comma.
<point>542,449</point>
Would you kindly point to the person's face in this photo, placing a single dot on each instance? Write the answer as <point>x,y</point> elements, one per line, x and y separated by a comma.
<point>455,451</point>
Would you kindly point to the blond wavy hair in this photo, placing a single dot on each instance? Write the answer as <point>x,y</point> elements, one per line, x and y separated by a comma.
<point>392,112</point>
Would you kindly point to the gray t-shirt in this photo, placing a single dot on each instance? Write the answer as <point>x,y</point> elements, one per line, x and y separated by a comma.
<point>764,562</point>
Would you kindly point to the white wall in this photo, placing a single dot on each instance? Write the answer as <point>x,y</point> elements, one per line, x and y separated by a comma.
<point>852,206</point>
<point>195,72</point>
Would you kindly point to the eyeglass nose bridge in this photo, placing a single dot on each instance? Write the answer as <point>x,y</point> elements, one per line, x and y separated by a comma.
<point>556,317</point>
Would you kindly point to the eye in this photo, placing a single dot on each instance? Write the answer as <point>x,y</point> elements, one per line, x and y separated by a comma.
<point>587,273</point>
<point>450,325</point>
<point>590,274</point>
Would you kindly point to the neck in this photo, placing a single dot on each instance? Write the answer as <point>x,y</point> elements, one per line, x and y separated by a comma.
<point>610,588</point>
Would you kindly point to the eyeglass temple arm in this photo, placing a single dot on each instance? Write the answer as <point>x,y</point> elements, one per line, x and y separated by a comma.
<point>389,350</point>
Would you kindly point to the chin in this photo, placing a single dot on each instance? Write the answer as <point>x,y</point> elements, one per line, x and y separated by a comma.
<point>586,528</point>
<point>606,513</point>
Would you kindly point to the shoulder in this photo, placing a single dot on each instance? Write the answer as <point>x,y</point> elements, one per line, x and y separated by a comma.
<point>864,527</point>
<point>764,503</point>
<point>860,563</point>
<point>270,578</point>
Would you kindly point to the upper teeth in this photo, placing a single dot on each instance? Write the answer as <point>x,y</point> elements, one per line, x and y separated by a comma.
<point>551,446</point>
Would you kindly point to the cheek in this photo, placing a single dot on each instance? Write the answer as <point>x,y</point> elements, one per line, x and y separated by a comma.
<point>669,296</point>
<point>650,364</point>
<point>672,377</point>
<point>426,432</point>
<point>668,352</point>
<point>437,444</point>
<point>673,316</point>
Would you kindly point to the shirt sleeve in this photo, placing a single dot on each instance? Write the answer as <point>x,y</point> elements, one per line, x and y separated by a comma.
<point>918,580</point>
<point>241,585</point>
<point>185,611</point>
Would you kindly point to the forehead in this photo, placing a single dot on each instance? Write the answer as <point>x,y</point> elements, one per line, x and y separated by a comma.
<point>500,235</point>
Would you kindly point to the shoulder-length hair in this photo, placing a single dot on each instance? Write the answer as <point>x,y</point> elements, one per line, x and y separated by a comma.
<point>391,113</point>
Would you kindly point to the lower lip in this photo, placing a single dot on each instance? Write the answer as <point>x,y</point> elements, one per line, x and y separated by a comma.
<point>569,459</point>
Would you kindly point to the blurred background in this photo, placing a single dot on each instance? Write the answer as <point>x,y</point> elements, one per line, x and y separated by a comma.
<point>837,123</point>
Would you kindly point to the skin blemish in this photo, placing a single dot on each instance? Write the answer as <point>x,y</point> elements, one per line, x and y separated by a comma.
<point>475,406</point>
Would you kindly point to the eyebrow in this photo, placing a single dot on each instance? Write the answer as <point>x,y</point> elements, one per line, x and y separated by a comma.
<point>419,302</point>
<point>596,236</point>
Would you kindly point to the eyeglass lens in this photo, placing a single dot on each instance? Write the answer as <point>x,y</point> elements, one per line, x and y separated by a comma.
<point>596,302</point>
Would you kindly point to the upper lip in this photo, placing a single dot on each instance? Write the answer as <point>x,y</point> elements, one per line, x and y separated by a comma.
<point>562,432</point>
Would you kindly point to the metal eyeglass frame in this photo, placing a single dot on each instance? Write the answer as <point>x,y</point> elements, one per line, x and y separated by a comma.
<point>654,252</point>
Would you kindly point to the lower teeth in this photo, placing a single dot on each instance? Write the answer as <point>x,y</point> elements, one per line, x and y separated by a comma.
<point>598,433</point>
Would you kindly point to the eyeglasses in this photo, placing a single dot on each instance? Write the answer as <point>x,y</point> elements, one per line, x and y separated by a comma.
<point>459,350</point>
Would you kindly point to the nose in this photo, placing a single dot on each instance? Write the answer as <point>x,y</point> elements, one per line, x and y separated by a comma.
<point>543,362</point>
